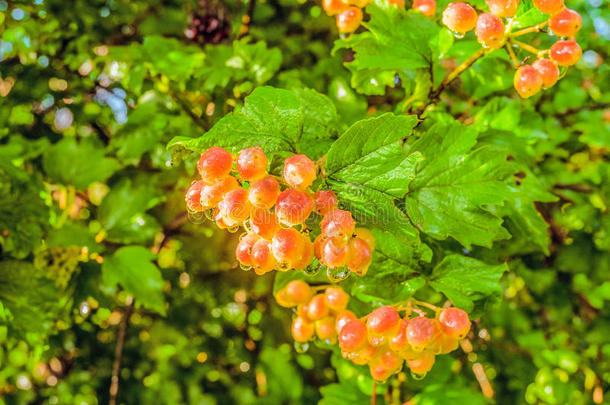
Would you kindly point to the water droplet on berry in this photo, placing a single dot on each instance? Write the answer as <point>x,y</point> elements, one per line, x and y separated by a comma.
<point>337,274</point>
<point>233,229</point>
<point>418,377</point>
<point>244,267</point>
<point>458,35</point>
<point>312,268</point>
<point>301,347</point>
<point>283,266</point>
<point>209,214</point>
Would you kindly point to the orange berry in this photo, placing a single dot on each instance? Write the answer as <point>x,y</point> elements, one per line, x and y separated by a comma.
<point>283,300</point>
<point>336,298</point>
<point>287,246</point>
<point>383,321</point>
<point>359,256</point>
<point>352,336</point>
<point>551,7</point>
<point>212,195</point>
<point>349,20</point>
<point>365,235</point>
<point>252,163</point>
<point>459,17</point>
<point>364,355</point>
<point>302,330</point>
<point>264,192</point>
<point>422,332</point>
<point>333,7</point>
<point>235,205</point>
<point>503,8</point>
<point>263,223</point>
<point>454,322</point>
<point>325,329</point>
<point>298,291</point>
<point>399,341</point>
<point>566,53</point>
<point>337,223</point>
<point>306,254</point>
<point>490,31</point>
<point>446,344</point>
<point>527,81</point>
<point>214,164</point>
<point>332,255</point>
<point>299,171</point>
<point>262,257</point>
<point>243,252</point>
<point>193,196</point>
<point>397,3</point>
<point>317,308</point>
<point>343,318</point>
<point>421,364</point>
<point>426,7</point>
<point>293,207</point>
<point>548,71</point>
<point>324,201</point>
<point>566,23</point>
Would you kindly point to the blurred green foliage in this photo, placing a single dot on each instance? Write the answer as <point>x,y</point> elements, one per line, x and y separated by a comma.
<point>94,236</point>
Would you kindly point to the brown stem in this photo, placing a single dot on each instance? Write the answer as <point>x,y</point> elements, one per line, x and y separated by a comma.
<point>187,109</point>
<point>118,353</point>
<point>374,393</point>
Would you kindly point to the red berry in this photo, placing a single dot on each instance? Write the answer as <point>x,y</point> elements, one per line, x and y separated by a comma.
<point>399,342</point>
<point>422,332</point>
<point>527,81</point>
<point>317,308</point>
<point>332,255</point>
<point>302,330</point>
<point>332,7</point>
<point>390,360</point>
<point>293,207</point>
<point>298,291</point>
<point>383,321</point>
<point>503,8</point>
<point>551,7</point>
<point>426,7</point>
<point>359,256</point>
<point>243,252</point>
<point>353,335</point>
<point>379,372</point>
<point>344,317</point>
<point>336,298</point>
<point>212,195</point>
<point>454,322</point>
<point>337,223</point>
<point>421,364</point>
<point>459,17</point>
<point>566,53</point>
<point>252,163</point>
<point>490,31</point>
<point>349,20</point>
<point>262,257</point>
<point>287,245</point>
<point>214,164</point>
<point>364,355</point>
<point>299,171</point>
<point>325,328</point>
<point>263,223</point>
<point>365,235</point>
<point>193,196</point>
<point>324,201</point>
<point>548,71</point>
<point>306,254</point>
<point>235,205</point>
<point>264,192</point>
<point>566,23</point>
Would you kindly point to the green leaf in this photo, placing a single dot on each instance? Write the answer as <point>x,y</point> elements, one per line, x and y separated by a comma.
<point>276,120</point>
<point>452,187</point>
<point>78,163</point>
<point>132,268</point>
<point>31,298</point>
<point>465,280</point>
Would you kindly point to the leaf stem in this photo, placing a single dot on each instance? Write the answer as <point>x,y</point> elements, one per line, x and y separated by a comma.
<point>118,353</point>
<point>526,47</point>
<point>533,28</point>
<point>512,55</point>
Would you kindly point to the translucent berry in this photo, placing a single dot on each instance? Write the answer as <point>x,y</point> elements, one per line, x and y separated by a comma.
<point>214,164</point>
<point>551,7</point>
<point>566,23</point>
<point>503,8</point>
<point>213,194</point>
<point>422,332</point>
<point>325,329</point>
<point>306,254</point>
<point>548,71</point>
<point>298,291</point>
<point>193,196</point>
<point>459,17</point>
<point>299,171</point>
<point>397,3</point>
<point>293,207</point>
<point>262,257</point>
<point>566,53</point>
<point>379,372</point>
<point>332,255</point>
<point>383,321</point>
<point>252,163</point>
<point>390,360</point>
<point>302,329</point>
<point>336,298</point>
<point>359,256</point>
<point>527,81</point>
<point>446,344</point>
<point>318,245</point>
<point>344,317</point>
<point>454,322</point>
<point>223,222</point>
<point>426,7</point>
<point>333,7</point>
<point>317,308</point>
<point>264,223</point>
<point>349,20</point>
<point>235,205</point>
<point>243,252</point>
<point>366,235</point>
<point>490,31</point>
<point>364,355</point>
<point>287,245</point>
<point>398,342</point>
<point>282,300</point>
<point>337,223</point>
<point>324,201</point>
<point>422,364</point>
<point>264,192</point>
<point>352,335</point>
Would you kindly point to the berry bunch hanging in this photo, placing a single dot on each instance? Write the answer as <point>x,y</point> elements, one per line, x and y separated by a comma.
<point>493,33</point>
<point>237,191</point>
<point>383,339</point>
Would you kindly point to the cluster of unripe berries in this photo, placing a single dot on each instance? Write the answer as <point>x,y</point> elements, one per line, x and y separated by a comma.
<point>276,236</point>
<point>383,339</point>
<point>491,33</point>
<point>348,13</point>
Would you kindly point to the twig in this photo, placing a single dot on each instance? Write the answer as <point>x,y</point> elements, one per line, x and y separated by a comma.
<point>118,353</point>
<point>533,28</point>
<point>187,109</point>
<point>374,393</point>
<point>526,47</point>
<point>512,55</point>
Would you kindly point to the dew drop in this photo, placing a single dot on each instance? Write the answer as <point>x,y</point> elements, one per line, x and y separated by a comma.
<point>283,266</point>
<point>337,274</point>
<point>209,214</point>
<point>458,35</point>
<point>244,267</point>
<point>313,268</point>
<point>301,347</point>
<point>418,377</point>
<point>233,229</point>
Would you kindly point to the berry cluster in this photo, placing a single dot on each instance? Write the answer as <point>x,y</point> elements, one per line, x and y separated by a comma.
<point>491,33</point>
<point>348,13</point>
<point>381,339</point>
<point>274,219</point>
